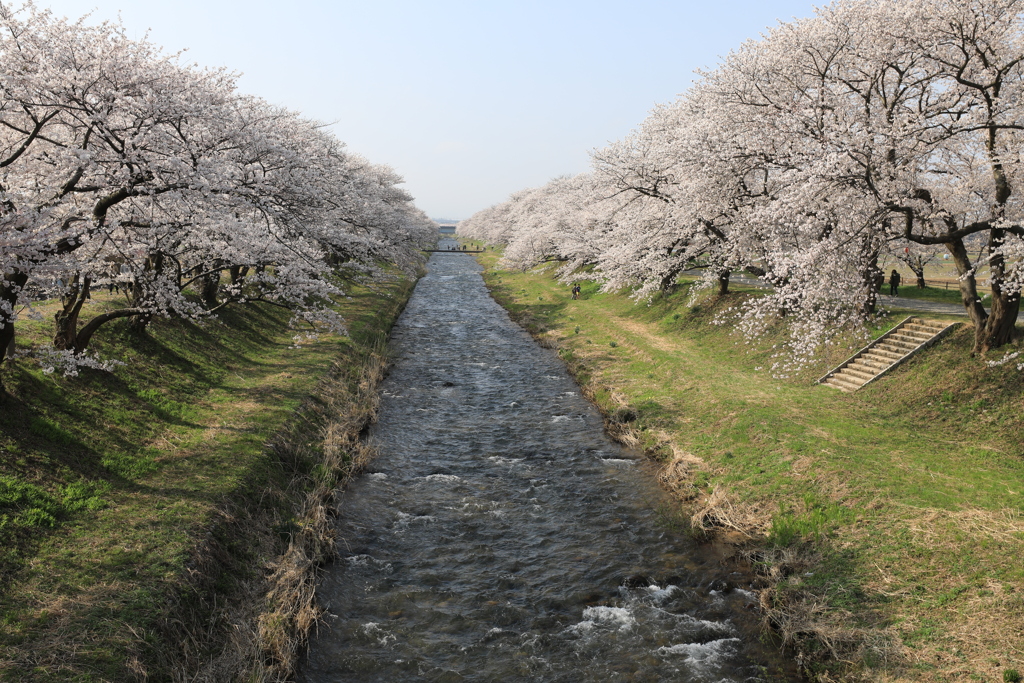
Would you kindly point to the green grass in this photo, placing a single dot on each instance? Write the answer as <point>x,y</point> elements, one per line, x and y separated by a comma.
<point>906,496</point>
<point>944,295</point>
<point>110,483</point>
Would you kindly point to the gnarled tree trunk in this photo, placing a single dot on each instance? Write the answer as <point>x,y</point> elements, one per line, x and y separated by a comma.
<point>66,319</point>
<point>999,327</point>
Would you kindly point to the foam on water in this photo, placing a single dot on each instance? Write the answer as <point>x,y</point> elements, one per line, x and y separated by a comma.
<point>379,633</point>
<point>442,477</point>
<point>511,462</point>
<point>404,520</point>
<point>619,618</point>
<point>661,594</point>
<point>707,654</point>
<point>750,597</point>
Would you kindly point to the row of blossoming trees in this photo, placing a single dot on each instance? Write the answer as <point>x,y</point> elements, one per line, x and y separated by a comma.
<point>121,166</point>
<point>874,127</point>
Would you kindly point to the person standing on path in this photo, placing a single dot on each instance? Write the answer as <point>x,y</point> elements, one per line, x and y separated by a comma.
<point>894,283</point>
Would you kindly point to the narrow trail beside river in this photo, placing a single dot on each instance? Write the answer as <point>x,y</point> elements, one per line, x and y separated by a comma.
<point>501,536</point>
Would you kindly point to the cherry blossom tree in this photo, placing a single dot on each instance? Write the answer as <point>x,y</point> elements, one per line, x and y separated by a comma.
<point>809,155</point>
<point>122,166</point>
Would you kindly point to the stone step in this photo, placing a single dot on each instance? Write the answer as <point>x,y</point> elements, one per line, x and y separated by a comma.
<point>906,343</point>
<point>893,348</point>
<point>857,372</point>
<point>903,344</point>
<point>914,334</point>
<point>930,330</point>
<point>883,363</point>
<point>866,364</point>
<point>879,352</point>
<point>915,338</point>
<point>843,385</point>
<point>852,376</point>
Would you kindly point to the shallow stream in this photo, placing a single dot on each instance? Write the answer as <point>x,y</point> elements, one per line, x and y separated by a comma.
<point>501,536</point>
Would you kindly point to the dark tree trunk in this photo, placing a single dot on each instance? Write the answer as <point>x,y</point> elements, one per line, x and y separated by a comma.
<point>668,280</point>
<point>723,282</point>
<point>139,323</point>
<point>918,269</point>
<point>83,338</point>
<point>141,296</point>
<point>238,273</point>
<point>208,291</point>
<point>10,345</point>
<point>969,290</point>
<point>998,328</point>
<point>10,287</point>
<point>68,336</point>
<point>66,320</point>
<point>873,279</point>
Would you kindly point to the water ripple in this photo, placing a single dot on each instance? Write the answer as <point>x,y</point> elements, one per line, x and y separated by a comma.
<point>502,536</point>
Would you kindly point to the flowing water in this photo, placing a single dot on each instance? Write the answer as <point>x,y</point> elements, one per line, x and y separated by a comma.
<point>501,536</point>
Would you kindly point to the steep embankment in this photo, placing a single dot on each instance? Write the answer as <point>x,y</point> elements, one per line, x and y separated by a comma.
<point>887,524</point>
<point>163,521</point>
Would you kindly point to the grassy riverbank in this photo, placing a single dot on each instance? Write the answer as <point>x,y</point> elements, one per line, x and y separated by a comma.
<point>162,521</point>
<point>888,523</point>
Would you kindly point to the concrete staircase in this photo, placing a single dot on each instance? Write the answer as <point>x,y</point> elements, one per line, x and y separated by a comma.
<point>886,352</point>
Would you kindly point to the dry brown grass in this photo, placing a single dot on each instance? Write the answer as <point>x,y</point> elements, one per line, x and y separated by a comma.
<point>716,512</point>
<point>271,622</point>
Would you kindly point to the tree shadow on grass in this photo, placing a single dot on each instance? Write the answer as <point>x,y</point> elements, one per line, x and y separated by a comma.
<point>95,430</point>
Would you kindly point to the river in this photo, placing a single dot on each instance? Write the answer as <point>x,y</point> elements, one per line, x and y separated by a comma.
<point>501,536</point>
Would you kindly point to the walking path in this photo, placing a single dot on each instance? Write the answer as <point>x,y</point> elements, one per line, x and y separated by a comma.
<point>921,305</point>
<point>928,306</point>
<point>885,300</point>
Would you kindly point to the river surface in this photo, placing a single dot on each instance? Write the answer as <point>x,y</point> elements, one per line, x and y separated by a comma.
<point>501,536</point>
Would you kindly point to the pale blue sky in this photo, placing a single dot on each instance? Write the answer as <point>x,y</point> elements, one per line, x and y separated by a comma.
<point>469,101</point>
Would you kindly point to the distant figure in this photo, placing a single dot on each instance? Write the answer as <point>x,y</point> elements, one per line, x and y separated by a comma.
<point>894,283</point>
<point>575,291</point>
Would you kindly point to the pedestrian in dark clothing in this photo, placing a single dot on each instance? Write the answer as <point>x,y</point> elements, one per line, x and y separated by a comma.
<point>894,283</point>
